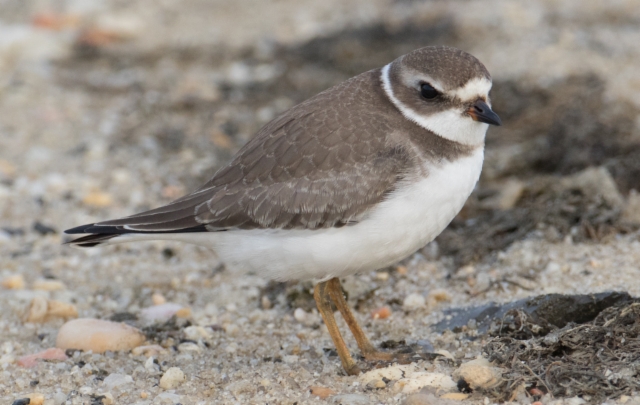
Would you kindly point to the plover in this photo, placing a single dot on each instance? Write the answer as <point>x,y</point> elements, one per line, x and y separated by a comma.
<point>354,179</point>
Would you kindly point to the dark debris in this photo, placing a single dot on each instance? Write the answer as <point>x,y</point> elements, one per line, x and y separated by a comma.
<point>597,360</point>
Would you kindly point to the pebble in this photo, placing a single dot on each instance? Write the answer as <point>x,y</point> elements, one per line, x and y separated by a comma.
<point>108,398</point>
<point>48,285</point>
<point>376,384</point>
<point>49,354</point>
<point>418,380</point>
<point>116,380</point>
<point>98,336</point>
<point>321,392</point>
<point>300,315</point>
<point>168,397</point>
<point>479,373</point>
<point>148,350</point>
<point>351,399</point>
<point>97,199</point>
<point>14,282</point>
<point>172,378</point>
<point>381,313</point>
<point>197,332</point>
<point>414,301</point>
<point>43,310</point>
<point>158,299</point>
<point>162,312</point>
<point>421,399</point>
<point>35,399</point>
<point>456,396</point>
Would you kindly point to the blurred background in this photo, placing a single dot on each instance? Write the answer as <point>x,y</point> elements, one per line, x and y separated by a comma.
<point>110,107</point>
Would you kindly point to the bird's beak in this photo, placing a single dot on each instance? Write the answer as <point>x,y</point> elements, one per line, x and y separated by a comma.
<point>481,112</point>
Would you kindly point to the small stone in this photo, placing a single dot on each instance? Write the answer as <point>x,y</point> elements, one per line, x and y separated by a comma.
<point>98,336</point>
<point>265,302</point>
<point>381,313</point>
<point>42,310</point>
<point>108,398</point>
<point>14,282</point>
<point>160,313</point>
<point>21,401</point>
<point>116,380</point>
<point>188,347</point>
<point>382,276</point>
<point>144,395</point>
<point>265,382</point>
<point>418,380</point>
<point>440,296</point>
<point>49,354</point>
<point>35,399</point>
<point>183,313</point>
<point>158,299</point>
<point>421,399</point>
<point>172,378</point>
<point>197,332</point>
<point>321,392</point>
<point>479,373</point>
<point>413,301</point>
<point>300,315</point>
<point>48,285</point>
<point>376,384</point>
<point>456,396</point>
<point>351,399</point>
<point>148,350</point>
<point>290,359</point>
<point>402,270</point>
<point>97,199</point>
<point>231,329</point>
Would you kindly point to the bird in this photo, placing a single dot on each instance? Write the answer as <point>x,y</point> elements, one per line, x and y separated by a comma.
<point>354,179</point>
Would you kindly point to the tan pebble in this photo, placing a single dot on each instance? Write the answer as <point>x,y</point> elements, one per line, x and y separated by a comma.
<point>172,192</point>
<point>321,392</point>
<point>536,392</point>
<point>158,299</point>
<point>265,382</point>
<point>15,282</point>
<point>97,199</point>
<point>540,403</point>
<point>98,335</point>
<point>381,313</point>
<point>221,140</point>
<point>479,373</point>
<point>456,396</point>
<point>421,399</point>
<point>144,395</point>
<point>184,313</point>
<point>7,168</point>
<point>37,310</point>
<point>42,310</point>
<point>48,285</point>
<point>402,270</point>
<point>265,302</point>
<point>108,398</point>
<point>57,309</point>
<point>414,301</point>
<point>440,296</point>
<point>147,350</point>
<point>382,276</point>
<point>172,378</point>
<point>35,399</point>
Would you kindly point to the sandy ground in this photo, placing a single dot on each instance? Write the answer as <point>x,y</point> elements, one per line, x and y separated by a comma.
<point>108,108</point>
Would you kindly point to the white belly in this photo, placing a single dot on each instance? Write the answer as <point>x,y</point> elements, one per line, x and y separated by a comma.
<point>410,218</point>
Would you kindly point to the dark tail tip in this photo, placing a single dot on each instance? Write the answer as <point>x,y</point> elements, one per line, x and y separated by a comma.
<point>90,240</point>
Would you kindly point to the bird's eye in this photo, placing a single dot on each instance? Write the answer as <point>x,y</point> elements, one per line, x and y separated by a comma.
<point>428,91</point>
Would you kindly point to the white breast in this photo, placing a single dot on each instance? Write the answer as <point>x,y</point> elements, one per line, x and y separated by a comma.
<point>410,218</point>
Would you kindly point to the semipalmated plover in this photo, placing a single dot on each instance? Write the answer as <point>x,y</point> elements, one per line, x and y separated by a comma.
<point>354,179</point>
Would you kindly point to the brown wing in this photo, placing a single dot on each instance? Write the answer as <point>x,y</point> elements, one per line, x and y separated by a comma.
<point>322,164</point>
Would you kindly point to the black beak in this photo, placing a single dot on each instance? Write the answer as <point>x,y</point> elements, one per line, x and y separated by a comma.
<point>481,112</point>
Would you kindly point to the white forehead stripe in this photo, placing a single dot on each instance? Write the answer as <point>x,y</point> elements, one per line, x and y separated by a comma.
<point>449,124</point>
<point>474,88</point>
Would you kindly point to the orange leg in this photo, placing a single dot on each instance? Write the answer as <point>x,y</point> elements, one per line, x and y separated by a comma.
<point>323,301</point>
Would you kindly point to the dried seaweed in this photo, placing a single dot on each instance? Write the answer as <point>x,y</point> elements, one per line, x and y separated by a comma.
<point>597,360</point>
